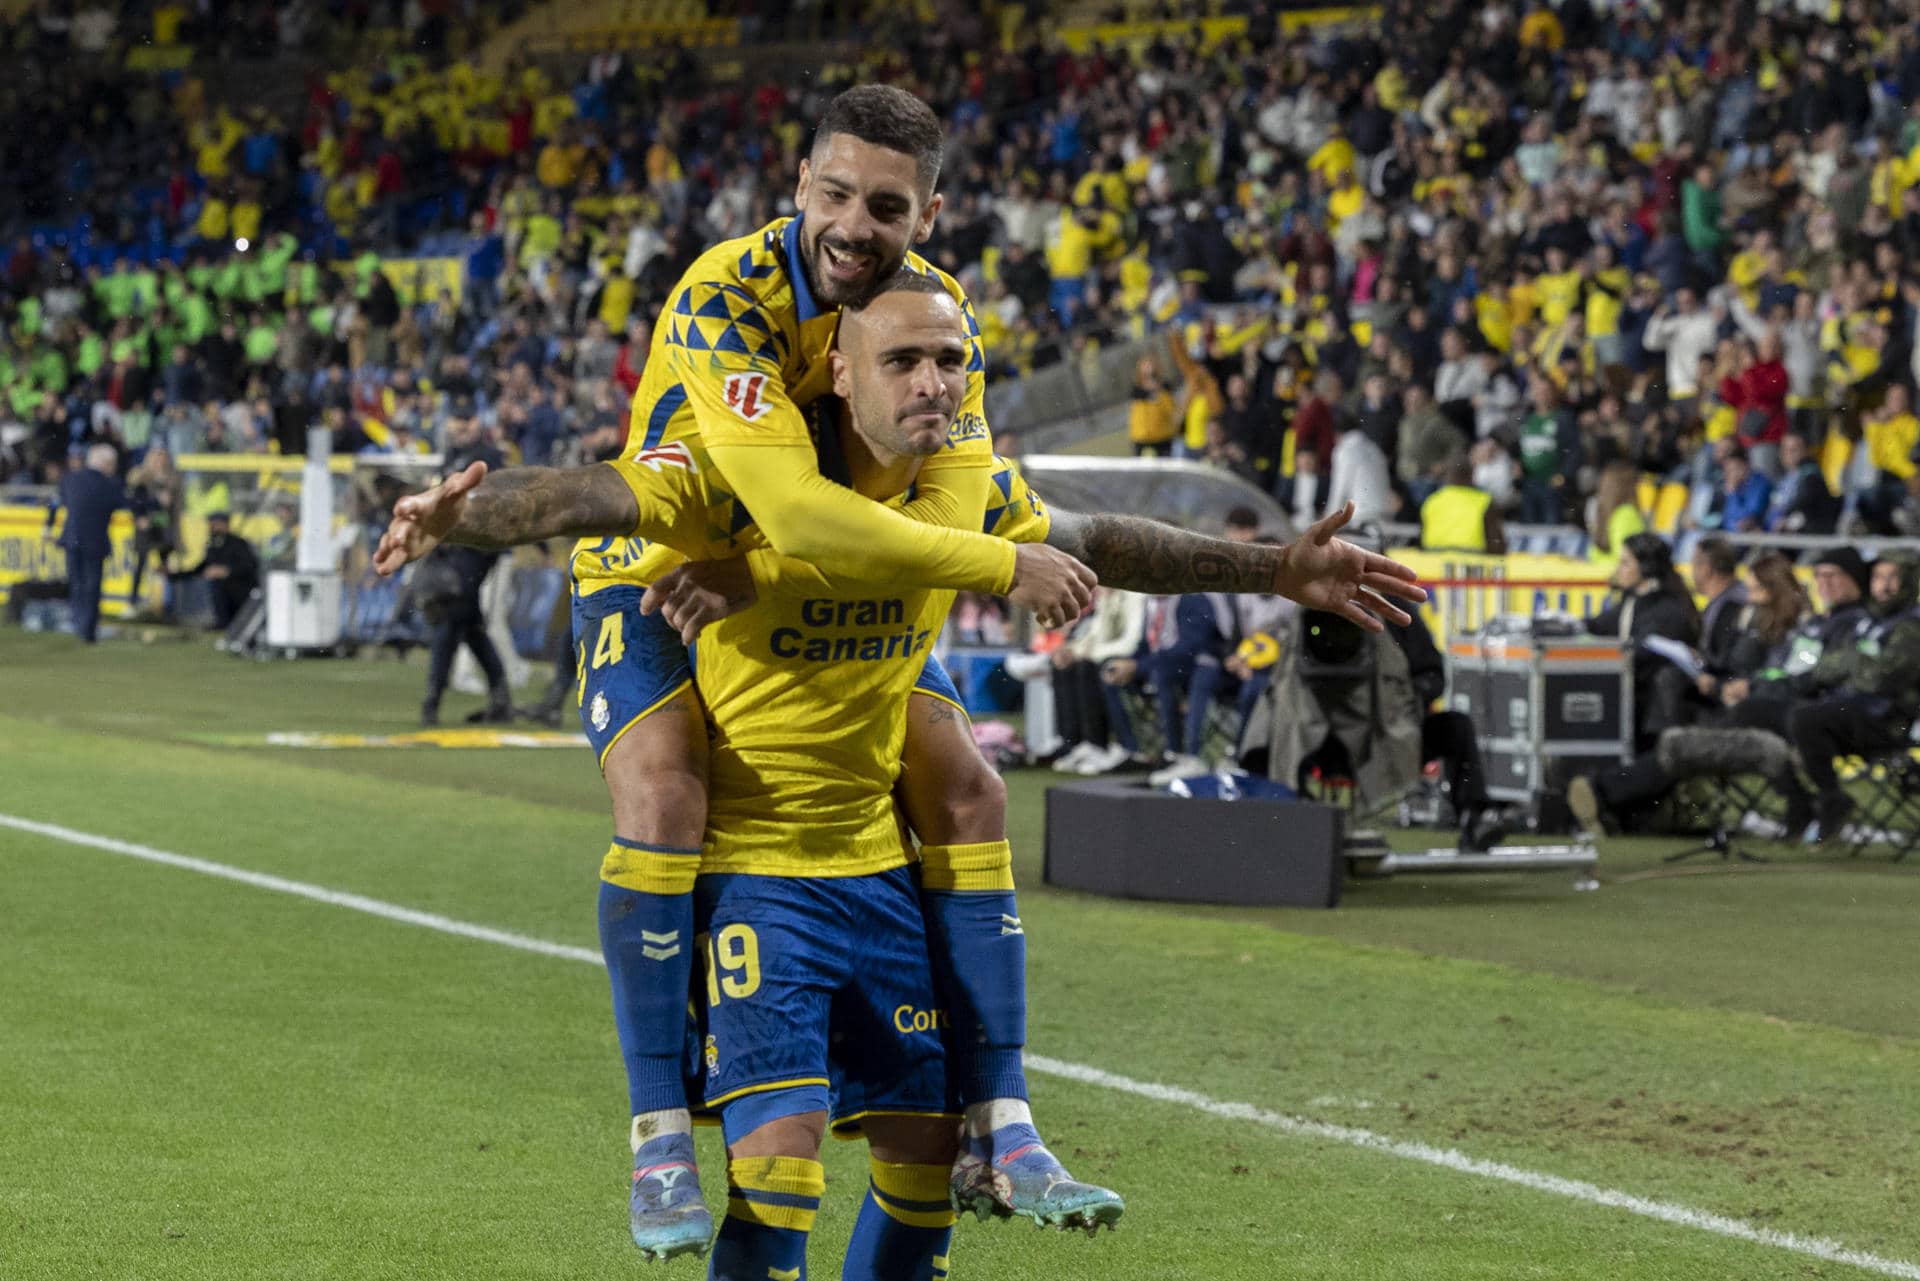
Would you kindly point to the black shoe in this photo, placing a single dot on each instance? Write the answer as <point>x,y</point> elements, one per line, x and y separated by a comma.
<point>1799,815</point>
<point>429,715</point>
<point>1482,830</point>
<point>1833,811</point>
<point>491,714</point>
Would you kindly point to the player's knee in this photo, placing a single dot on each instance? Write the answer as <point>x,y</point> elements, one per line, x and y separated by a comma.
<point>913,1140</point>
<point>799,1135</point>
<point>657,779</point>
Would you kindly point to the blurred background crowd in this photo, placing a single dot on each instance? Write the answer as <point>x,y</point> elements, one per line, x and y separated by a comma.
<point>1610,265</point>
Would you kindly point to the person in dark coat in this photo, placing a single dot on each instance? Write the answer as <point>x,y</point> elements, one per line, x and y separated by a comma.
<point>229,566</point>
<point>1651,600</point>
<point>1450,738</point>
<point>455,612</point>
<point>90,495</point>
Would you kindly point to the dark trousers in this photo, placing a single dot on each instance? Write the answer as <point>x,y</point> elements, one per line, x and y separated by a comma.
<point>1845,725</point>
<point>1177,674</point>
<point>147,544</point>
<point>1079,706</point>
<point>1448,737</point>
<point>463,624</point>
<point>1642,781</point>
<point>85,570</point>
<point>1541,503</point>
<point>1119,724</point>
<point>1639,782</point>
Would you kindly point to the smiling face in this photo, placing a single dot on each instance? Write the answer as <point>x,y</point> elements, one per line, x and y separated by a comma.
<point>863,210</point>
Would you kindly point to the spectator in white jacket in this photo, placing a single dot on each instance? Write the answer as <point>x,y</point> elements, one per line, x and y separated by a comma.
<point>1686,333</point>
<point>1091,716</point>
<point>1361,475</point>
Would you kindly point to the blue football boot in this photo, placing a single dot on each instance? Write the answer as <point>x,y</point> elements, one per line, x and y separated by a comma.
<point>1012,1175</point>
<point>669,1217</point>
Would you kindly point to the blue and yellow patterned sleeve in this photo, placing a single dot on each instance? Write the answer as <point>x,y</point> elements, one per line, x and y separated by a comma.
<point>1014,511</point>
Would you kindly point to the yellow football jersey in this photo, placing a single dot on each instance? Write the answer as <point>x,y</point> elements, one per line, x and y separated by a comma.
<point>806,697</point>
<point>738,351</point>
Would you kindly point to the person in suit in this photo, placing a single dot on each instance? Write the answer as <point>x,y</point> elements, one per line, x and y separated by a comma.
<point>90,495</point>
<point>1182,652</point>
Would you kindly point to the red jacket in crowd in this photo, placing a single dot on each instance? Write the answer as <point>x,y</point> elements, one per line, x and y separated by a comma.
<point>1313,429</point>
<point>627,368</point>
<point>1761,388</point>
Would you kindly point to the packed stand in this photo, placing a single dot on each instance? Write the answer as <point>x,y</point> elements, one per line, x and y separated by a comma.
<point>1471,251</point>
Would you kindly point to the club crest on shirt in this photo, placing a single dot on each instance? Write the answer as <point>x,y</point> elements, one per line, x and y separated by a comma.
<point>599,712</point>
<point>742,393</point>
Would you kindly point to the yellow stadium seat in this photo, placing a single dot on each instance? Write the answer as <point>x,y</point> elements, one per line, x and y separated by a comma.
<point>1647,494</point>
<point>1668,507</point>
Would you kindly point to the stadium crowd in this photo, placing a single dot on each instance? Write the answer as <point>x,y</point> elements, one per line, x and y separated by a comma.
<point>1469,249</point>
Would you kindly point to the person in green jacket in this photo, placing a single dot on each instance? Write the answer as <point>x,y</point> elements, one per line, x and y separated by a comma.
<point>1875,693</point>
<point>1700,216</point>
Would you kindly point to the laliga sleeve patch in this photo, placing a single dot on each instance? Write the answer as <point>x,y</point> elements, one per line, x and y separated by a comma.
<point>743,395</point>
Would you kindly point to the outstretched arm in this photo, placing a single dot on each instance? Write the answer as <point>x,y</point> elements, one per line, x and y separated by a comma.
<point>1318,570</point>
<point>1134,554</point>
<point>519,505</point>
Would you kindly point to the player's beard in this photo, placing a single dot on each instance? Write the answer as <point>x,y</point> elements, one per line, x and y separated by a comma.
<point>925,441</point>
<point>828,290</point>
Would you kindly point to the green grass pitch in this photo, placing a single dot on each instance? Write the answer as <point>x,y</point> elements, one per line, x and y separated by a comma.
<point>206,1079</point>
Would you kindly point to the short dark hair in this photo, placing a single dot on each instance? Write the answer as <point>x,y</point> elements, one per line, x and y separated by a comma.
<point>1243,517</point>
<point>906,280</point>
<point>890,117</point>
<point>1719,555</point>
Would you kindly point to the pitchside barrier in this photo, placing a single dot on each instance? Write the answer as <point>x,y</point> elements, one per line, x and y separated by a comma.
<point>261,492</point>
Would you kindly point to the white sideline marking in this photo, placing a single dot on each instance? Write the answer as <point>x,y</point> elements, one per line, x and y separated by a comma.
<point>300,889</point>
<point>1446,1158</point>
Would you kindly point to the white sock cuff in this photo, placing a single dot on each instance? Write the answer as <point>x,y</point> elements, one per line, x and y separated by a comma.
<point>651,1125</point>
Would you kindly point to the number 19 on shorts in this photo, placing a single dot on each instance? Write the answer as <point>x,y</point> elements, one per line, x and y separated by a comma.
<point>733,963</point>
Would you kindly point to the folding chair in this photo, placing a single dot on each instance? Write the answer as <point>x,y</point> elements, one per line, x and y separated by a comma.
<point>1724,771</point>
<point>1727,801</point>
<point>1890,815</point>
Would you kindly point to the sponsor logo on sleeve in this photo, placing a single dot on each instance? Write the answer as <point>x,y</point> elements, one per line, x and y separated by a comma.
<point>744,395</point>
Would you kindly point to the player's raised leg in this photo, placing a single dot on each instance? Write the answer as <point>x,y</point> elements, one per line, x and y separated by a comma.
<point>640,712</point>
<point>956,805</point>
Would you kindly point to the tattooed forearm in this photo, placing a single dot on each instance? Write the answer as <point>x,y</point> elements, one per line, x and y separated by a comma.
<point>528,504</point>
<point>1139,555</point>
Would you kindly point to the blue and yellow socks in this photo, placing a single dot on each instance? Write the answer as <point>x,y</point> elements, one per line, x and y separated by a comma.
<point>646,936</point>
<point>905,1226</point>
<point>771,1204</point>
<point>979,953</point>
